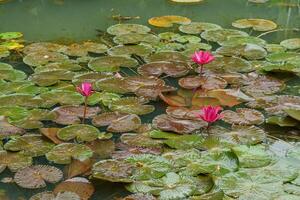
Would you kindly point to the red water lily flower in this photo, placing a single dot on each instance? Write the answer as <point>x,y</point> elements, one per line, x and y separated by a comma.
<point>85,89</point>
<point>210,114</point>
<point>202,58</point>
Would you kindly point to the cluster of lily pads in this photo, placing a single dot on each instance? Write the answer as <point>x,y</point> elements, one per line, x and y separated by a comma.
<point>174,156</point>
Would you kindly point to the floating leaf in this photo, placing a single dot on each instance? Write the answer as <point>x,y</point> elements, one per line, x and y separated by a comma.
<point>105,119</point>
<point>198,27</point>
<point>185,142</point>
<point>31,144</point>
<point>168,21</point>
<point>282,56</point>
<point>51,77</point>
<point>111,63</point>
<point>131,105</point>
<point>249,51</point>
<point>120,29</point>
<point>36,176</point>
<point>243,40</point>
<point>113,171</point>
<point>80,186</point>
<point>252,156</point>
<point>126,123</point>
<point>256,24</point>
<point>128,50</point>
<point>136,38</point>
<point>63,153</point>
<point>221,35</point>
<point>207,83</point>
<point>81,132</point>
<point>6,129</point>
<point>169,56</point>
<point>10,35</point>
<point>293,43</point>
<point>14,161</point>
<point>62,97</point>
<point>181,126</point>
<point>43,57</point>
<point>282,121</point>
<point>243,116</point>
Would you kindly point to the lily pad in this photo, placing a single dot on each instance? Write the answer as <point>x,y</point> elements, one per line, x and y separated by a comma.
<point>249,51</point>
<point>71,114</point>
<point>221,35</point>
<point>229,64</point>
<point>120,29</point>
<point>7,129</point>
<point>173,69</point>
<point>10,35</point>
<point>12,75</point>
<point>181,126</point>
<point>207,83</point>
<point>149,166</point>
<point>43,57</point>
<point>128,50</point>
<point>62,97</point>
<point>81,132</point>
<point>256,24</point>
<point>136,38</point>
<point>168,21</point>
<point>170,56</point>
<point>111,63</point>
<point>126,123</point>
<point>282,56</point>
<point>184,142</point>
<point>140,140</point>
<point>63,153</point>
<point>36,176</point>
<point>293,43</point>
<point>243,116</point>
<point>30,144</point>
<point>198,27</point>
<point>244,186</point>
<point>51,77</point>
<point>113,171</point>
<point>131,105</point>
<point>243,40</point>
<point>80,186</point>
<point>252,156</point>
<point>43,47</point>
<point>14,161</point>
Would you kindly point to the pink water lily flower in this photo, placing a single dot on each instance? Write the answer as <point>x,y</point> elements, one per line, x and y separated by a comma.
<point>85,89</point>
<point>202,58</point>
<point>210,114</point>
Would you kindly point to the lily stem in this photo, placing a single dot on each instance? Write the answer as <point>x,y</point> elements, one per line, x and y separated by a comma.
<point>85,107</point>
<point>201,70</point>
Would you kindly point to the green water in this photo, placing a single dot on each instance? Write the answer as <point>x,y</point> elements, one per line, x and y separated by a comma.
<point>76,20</point>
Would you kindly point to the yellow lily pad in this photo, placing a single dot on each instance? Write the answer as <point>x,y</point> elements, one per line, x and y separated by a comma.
<point>168,21</point>
<point>256,24</point>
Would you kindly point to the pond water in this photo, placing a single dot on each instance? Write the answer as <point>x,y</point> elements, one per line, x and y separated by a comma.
<point>75,21</point>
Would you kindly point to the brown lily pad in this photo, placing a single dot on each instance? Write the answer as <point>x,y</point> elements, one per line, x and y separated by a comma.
<point>36,176</point>
<point>168,21</point>
<point>181,126</point>
<point>71,114</point>
<point>126,123</point>
<point>102,149</point>
<point>125,151</point>
<point>243,116</point>
<point>81,186</point>
<point>183,113</point>
<point>105,119</point>
<point>207,83</point>
<point>78,167</point>
<point>172,69</point>
<point>6,129</point>
<point>51,133</point>
<point>139,196</point>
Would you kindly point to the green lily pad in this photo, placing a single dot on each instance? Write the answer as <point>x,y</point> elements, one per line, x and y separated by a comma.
<point>198,27</point>
<point>131,105</point>
<point>242,40</point>
<point>12,75</point>
<point>229,64</point>
<point>63,153</point>
<point>282,56</point>
<point>113,171</point>
<point>140,140</point>
<point>275,48</point>
<point>221,35</point>
<point>127,50</point>
<point>252,156</point>
<point>13,112</point>
<point>43,57</point>
<point>249,51</point>
<point>244,186</point>
<point>81,132</point>
<point>185,142</point>
<point>167,56</point>
<point>293,43</point>
<point>66,65</point>
<point>10,35</point>
<point>48,78</point>
<point>292,189</point>
<point>25,87</point>
<point>43,46</point>
<point>111,63</point>
<point>282,68</point>
<point>62,97</point>
<point>120,29</point>
<point>22,100</point>
<point>294,113</point>
<point>31,144</point>
<point>14,161</point>
<point>256,24</point>
<point>149,166</point>
<point>216,163</point>
<point>136,38</point>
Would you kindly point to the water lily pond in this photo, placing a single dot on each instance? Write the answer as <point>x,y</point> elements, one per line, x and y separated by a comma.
<point>150,100</point>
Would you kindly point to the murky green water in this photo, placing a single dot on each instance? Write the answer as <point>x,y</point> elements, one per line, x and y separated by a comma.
<point>76,20</point>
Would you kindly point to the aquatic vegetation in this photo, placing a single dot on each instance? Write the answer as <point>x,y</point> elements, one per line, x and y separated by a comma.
<point>135,112</point>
